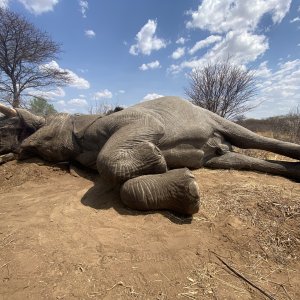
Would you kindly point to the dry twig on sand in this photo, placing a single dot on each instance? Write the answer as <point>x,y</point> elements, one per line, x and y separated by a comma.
<point>243,277</point>
<point>125,286</point>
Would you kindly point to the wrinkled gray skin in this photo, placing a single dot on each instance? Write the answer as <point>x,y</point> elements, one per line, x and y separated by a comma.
<point>149,148</point>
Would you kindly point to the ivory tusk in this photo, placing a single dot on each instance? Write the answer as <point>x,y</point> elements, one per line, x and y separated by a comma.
<point>9,112</point>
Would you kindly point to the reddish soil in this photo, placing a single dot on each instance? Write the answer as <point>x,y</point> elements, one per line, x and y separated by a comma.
<point>68,237</point>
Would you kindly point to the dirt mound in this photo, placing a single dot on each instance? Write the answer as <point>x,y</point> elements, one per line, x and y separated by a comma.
<point>15,173</point>
<point>68,237</point>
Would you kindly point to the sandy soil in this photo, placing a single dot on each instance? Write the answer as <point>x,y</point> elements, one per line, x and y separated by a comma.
<point>64,237</point>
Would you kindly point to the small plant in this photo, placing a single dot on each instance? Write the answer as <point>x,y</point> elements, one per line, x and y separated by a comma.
<point>40,106</point>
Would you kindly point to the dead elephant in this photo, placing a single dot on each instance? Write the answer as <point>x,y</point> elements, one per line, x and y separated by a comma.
<point>148,148</point>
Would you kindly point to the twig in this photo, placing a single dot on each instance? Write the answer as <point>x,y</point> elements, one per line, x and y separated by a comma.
<point>286,292</point>
<point>8,235</point>
<point>229,284</point>
<point>214,293</point>
<point>125,286</point>
<point>3,245</point>
<point>5,264</point>
<point>244,278</point>
<point>187,295</point>
<point>165,276</point>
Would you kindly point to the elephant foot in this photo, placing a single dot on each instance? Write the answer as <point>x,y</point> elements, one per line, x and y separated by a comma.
<point>175,190</point>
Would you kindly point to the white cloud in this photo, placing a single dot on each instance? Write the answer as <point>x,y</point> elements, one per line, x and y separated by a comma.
<point>204,43</point>
<point>297,19</point>
<point>242,47</point>
<point>152,96</point>
<point>174,69</point>
<point>84,5</point>
<point>90,33</point>
<point>61,102</point>
<point>75,80</point>
<point>279,90</point>
<point>152,65</point>
<point>78,82</point>
<point>237,22</point>
<point>83,70</point>
<point>226,15</point>
<point>103,94</point>
<point>78,102</point>
<point>55,93</point>
<point>121,91</point>
<point>39,6</point>
<point>179,52</point>
<point>181,41</point>
<point>263,71</point>
<point>4,3</point>
<point>146,40</point>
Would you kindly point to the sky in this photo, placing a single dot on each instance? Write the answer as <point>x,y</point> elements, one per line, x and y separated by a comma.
<point>124,52</point>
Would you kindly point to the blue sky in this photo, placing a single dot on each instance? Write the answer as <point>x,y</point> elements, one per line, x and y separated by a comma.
<point>123,52</point>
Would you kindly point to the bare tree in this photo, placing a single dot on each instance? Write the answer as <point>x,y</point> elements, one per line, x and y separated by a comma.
<point>288,127</point>
<point>222,88</point>
<point>103,108</point>
<point>24,54</point>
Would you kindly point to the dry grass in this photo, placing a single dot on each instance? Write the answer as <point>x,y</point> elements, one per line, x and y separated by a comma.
<point>209,280</point>
<point>261,219</point>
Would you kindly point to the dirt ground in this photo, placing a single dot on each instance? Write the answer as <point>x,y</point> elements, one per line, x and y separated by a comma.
<point>64,236</point>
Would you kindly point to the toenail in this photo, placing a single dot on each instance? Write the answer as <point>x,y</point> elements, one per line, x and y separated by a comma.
<point>194,189</point>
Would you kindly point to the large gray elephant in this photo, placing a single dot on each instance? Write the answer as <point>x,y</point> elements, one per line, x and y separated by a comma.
<point>147,149</point>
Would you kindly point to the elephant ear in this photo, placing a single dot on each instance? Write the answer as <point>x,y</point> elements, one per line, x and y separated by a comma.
<point>82,122</point>
<point>30,120</point>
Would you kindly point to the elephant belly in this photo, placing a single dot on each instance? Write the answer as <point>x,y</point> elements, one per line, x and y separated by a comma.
<point>183,156</point>
<point>88,159</point>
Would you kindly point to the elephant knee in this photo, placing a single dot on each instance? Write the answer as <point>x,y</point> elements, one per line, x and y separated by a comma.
<point>124,163</point>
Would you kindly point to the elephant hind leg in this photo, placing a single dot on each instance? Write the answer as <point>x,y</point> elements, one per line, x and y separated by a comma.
<point>232,160</point>
<point>175,190</point>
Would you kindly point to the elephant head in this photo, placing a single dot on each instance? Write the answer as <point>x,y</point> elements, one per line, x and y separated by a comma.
<point>14,129</point>
<point>27,134</point>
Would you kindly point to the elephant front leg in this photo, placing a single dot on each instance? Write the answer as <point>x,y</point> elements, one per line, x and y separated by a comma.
<point>131,152</point>
<point>118,164</point>
<point>175,190</point>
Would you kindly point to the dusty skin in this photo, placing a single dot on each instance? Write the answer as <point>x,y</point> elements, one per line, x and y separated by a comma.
<point>63,237</point>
